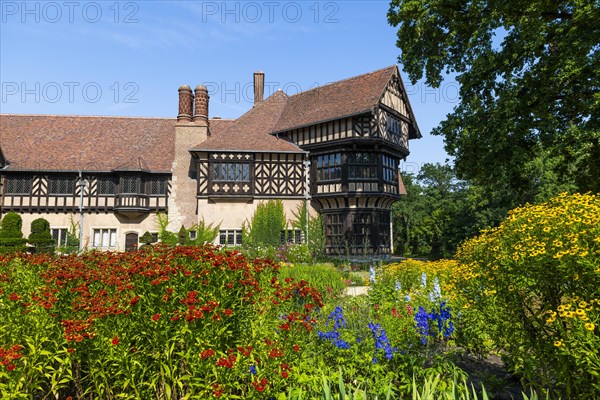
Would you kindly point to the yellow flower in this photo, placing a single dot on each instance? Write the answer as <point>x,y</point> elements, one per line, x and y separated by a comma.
<point>590,326</point>
<point>558,343</point>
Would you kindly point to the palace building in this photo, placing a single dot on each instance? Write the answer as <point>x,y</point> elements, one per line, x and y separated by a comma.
<point>341,142</point>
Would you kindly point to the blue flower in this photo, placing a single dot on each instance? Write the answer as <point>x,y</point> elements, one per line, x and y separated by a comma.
<point>253,369</point>
<point>398,286</point>
<point>372,274</point>
<point>334,336</point>
<point>381,341</point>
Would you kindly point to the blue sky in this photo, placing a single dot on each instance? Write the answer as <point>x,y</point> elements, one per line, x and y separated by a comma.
<point>128,58</point>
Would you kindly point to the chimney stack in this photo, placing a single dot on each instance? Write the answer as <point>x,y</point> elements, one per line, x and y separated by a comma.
<point>259,87</point>
<point>201,110</point>
<point>186,104</point>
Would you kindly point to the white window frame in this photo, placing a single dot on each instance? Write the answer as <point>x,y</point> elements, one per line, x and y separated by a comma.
<point>235,234</point>
<point>104,238</point>
<point>61,236</point>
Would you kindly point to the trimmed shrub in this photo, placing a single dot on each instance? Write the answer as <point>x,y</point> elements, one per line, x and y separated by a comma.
<point>147,238</point>
<point>11,234</point>
<point>182,236</point>
<point>40,236</point>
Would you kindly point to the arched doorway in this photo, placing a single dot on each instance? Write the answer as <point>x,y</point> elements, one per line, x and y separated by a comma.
<point>131,241</point>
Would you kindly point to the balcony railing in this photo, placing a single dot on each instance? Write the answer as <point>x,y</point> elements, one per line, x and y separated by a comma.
<point>132,203</point>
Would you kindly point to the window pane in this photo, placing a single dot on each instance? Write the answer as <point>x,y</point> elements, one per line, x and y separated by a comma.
<point>113,237</point>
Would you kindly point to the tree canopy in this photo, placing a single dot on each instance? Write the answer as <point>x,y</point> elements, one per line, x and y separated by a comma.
<point>529,76</point>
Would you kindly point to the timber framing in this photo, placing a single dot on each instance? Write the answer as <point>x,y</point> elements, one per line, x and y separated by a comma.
<point>346,139</point>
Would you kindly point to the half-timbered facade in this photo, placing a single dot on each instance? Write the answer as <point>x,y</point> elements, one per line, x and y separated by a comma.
<point>113,174</point>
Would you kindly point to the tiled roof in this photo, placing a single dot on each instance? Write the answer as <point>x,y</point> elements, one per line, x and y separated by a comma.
<point>251,132</point>
<point>336,100</point>
<point>53,142</point>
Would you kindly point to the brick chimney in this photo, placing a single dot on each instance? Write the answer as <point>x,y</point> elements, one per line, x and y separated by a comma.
<point>191,129</point>
<point>259,87</point>
<point>186,104</point>
<point>201,109</point>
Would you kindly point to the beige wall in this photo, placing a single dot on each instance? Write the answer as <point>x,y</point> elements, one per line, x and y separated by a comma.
<point>96,221</point>
<point>231,215</point>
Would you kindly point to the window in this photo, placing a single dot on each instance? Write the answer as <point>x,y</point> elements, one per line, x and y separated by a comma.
<point>61,185</point>
<point>291,236</point>
<point>230,237</point>
<point>361,231</point>
<point>107,185</point>
<point>390,170</point>
<point>362,166</point>
<point>130,184</point>
<point>60,236</point>
<point>157,186</point>
<point>193,235</point>
<point>329,167</point>
<point>105,237</point>
<point>18,185</point>
<point>393,125</point>
<point>231,172</point>
<point>334,229</point>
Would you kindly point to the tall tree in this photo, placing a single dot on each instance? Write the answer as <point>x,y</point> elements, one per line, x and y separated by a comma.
<point>440,211</point>
<point>529,76</point>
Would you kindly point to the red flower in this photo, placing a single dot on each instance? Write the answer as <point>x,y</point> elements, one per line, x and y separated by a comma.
<point>156,317</point>
<point>207,353</point>
<point>285,374</point>
<point>228,312</point>
<point>296,348</point>
<point>14,296</point>
<point>115,341</point>
<point>134,301</point>
<point>11,367</point>
<point>70,350</point>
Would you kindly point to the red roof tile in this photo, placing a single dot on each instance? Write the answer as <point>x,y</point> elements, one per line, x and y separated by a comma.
<point>336,100</point>
<point>251,132</point>
<point>53,142</point>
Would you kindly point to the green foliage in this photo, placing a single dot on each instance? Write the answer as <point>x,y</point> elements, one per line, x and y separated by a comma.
<point>205,233</point>
<point>183,235</point>
<point>147,238</point>
<point>439,212</point>
<point>532,285</point>
<point>11,226</point>
<point>40,236</point>
<point>266,225</point>
<point>326,278</point>
<point>316,233</point>
<point>11,235</point>
<point>528,120</point>
<point>72,244</point>
<point>164,235</point>
<point>298,254</point>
